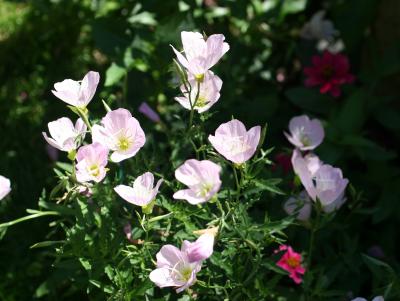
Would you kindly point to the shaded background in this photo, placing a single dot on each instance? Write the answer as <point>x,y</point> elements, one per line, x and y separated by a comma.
<point>43,41</point>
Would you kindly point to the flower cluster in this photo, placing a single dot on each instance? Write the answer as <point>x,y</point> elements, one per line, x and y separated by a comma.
<point>332,69</point>
<point>323,183</point>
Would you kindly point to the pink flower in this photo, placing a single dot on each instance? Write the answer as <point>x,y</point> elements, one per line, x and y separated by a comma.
<point>377,298</point>
<point>77,93</point>
<point>321,181</point>
<point>305,133</point>
<point>200,55</point>
<point>284,161</point>
<point>234,142</point>
<point>301,203</point>
<point>291,262</point>
<point>202,179</point>
<point>142,193</point>
<point>121,133</point>
<point>91,163</point>
<point>5,187</point>
<point>330,72</point>
<point>145,109</point>
<point>64,135</point>
<point>201,249</point>
<point>208,94</point>
<point>178,268</point>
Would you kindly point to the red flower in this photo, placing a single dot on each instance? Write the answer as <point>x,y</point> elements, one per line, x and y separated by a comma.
<point>291,262</point>
<point>329,71</point>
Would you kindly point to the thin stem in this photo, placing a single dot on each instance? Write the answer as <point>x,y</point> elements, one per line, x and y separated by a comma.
<point>236,181</point>
<point>312,238</point>
<point>192,106</point>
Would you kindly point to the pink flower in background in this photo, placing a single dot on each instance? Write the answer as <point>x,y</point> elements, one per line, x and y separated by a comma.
<point>319,28</point>
<point>121,133</point>
<point>77,93</point>
<point>143,191</point>
<point>300,204</point>
<point>201,249</point>
<point>64,135</point>
<point>234,142</point>
<point>202,179</point>
<point>291,262</point>
<point>5,187</point>
<point>91,163</point>
<point>200,54</point>
<point>174,269</point>
<point>178,268</point>
<point>208,94</point>
<point>145,109</point>
<point>377,298</point>
<point>329,71</point>
<point>321,181</point>
<point>305,133</point>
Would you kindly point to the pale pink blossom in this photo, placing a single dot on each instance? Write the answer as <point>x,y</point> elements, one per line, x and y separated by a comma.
<point>207,95</point>
<point>91,163</point>
<point>321,181</point>
<point>143,191</point>
<point>234,142</point>
<point>201,249</point>
<point>121,133</point>
<point>305,133</point>
<point>5,187</point>
<point>291,262</point>
<point>300,204</point>
<point>377,298</point>
<point>178,268</point>
<point>200,54</point>
<point>146,110</point>
<point>202,179</point>
<point>319,28</point>
<point>77,93</point>
<point>64,135</point>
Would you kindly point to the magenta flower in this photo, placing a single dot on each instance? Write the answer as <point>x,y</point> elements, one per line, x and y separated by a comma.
<point>91,163</point>
<point>208,94</point>
<point>202,179</point>
<point>77,93</point>
<point>121,133</point>
<point>146,110</point>
<point>234,142</point>
<point>200,54</point>
<point>64,135</point>
<point>178,268</point>
<point>321,181</point>
<point>301,203</point>
<point>291,262</point>
<point>330,72</point>
<point>143,191</point>
<point>201,249</point>
<point>305,133</point>
<point>5,187</point>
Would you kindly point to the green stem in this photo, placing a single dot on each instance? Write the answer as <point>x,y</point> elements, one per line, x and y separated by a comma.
<point>193,105</point>
<point>25,218</point>
<point>236,180</point>
<point>314,229</point>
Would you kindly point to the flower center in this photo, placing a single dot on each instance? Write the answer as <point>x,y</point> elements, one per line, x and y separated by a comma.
<point>201,101</point>
<point>205,189</point>
<point>293,262</point>
<point>305,140</point>
<point>123,143</point>
<point>94,170</point>
<point>327,71</point>
<point>186,273</point>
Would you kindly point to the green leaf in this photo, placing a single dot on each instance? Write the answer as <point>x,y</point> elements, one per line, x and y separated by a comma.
<point>310,99</point>
<point>114,74</point>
